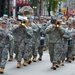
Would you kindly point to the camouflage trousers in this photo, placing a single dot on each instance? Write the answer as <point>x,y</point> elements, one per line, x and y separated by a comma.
<point>24,51</point>
<point>70,52</point>
<point>73,53</point>
<point>16,47</point>
<point>34,50</point>
<point>35,47</point>
<point>63,51</point>
<point>40,50</point>
<point>3,56</point>
<point>70,49</point>
<point>11,48</point>
<point>41,46</point>
<point>54,52</point>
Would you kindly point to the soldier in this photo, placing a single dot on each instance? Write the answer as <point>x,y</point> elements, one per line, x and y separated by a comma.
<point>71,31</point>
<point>24,44</point>
<point>16,45</point>
<point>4,44</point>
<point>28,42</point>
<point>11,45</point>
<point>42,34</point>
<point>55,33</point>
<point>74,40</point>
<point>64,48</point>
<point>36,32</point>
<point>64,22</point>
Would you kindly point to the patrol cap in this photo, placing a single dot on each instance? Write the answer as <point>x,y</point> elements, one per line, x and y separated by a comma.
<point>1,19</point>
<point>5,16</point>
<point>4,22</point>
<point>41,17</point>
<point>11,20</point>
<point>68,22</point>
<point>36,17</point>
<point>48,17</point>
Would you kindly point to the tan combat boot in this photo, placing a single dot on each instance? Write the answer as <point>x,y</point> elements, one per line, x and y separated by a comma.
<point>25,63</point>
<point>62,63</point>
<point>11,58</point>
<point>54,67</point>
<point>29,61</point>
<point>73,58</point>
<point>57,65</point>
<point>69,60</point>
<point>19,64</point>
<point>40,58</point>
<point>45,48</point>
<point>1,70</point>
<point>34,59</point>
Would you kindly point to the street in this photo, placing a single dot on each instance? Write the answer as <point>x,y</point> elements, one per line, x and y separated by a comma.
<point>39,68</point>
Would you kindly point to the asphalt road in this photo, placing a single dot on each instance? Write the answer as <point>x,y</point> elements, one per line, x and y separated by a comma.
<point>39,68</point>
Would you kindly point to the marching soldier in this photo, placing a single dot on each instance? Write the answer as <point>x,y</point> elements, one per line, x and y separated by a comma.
<point>64,48</point>
<point>28,43</point>
<point>71,31</point>
<point>73,40</point>
<point>11,45</point>
<point>42,34</point>
<point>4,44</point>
<point>36,32</point>
<point>24,41</point>
<point>55,33</point>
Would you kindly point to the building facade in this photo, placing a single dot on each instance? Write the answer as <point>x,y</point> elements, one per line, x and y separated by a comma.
<point>4,7</point>
<point>70,4</point>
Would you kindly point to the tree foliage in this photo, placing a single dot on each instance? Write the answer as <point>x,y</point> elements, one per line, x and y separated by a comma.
<point>52,5</point>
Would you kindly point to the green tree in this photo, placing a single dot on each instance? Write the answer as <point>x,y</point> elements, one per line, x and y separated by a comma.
<point>52,5</point>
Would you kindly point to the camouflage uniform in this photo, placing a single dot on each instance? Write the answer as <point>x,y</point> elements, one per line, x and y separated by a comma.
<point>70,43</point>
<point>42,38</point>
<point>4,44</point>
<point>64,48</point>
<point>55,42</point>
<point>36,32</point>
<point>23,39</point>
<point>28,45</point>
<point>16,44</point>
<point>11,45</point>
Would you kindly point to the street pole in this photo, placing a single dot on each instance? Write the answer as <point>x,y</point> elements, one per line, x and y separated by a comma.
<point>14,8</point>
<point>40,7</point>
